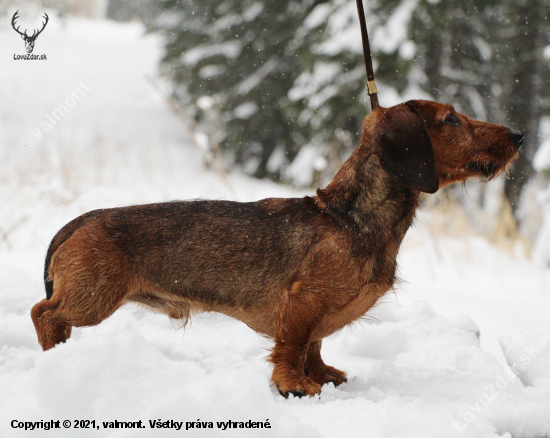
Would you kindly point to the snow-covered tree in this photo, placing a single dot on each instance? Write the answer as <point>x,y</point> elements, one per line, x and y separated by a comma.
<point>524,77</point>
<point>486,58</point>
<point>244,57</point>
<point>274,78</point>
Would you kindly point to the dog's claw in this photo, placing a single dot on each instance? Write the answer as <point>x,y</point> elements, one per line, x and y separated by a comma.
<point>338,384</point>
<point>299,393</point>
<point>284,394</point>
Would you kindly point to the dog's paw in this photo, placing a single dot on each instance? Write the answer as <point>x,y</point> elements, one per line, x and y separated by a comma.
<point>299,387</point>
<point>327,374</point>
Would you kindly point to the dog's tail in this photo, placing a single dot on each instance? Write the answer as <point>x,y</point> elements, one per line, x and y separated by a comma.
<point>62,235</point>
<point>48,282</point>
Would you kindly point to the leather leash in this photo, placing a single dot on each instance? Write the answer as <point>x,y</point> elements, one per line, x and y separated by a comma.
<point>371,86</point>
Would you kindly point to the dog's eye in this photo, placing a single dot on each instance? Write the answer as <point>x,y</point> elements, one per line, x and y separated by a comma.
<point>452,120</point>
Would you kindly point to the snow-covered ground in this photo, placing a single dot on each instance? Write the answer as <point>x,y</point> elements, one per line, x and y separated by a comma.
<point>461,350</point>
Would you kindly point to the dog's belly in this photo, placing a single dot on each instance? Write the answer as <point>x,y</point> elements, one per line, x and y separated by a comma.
<point>259,318</point>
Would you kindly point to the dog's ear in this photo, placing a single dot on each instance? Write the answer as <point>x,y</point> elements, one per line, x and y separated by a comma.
<point>404,146</point>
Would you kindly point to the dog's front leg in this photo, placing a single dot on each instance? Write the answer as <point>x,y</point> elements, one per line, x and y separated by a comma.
<point>296,321</point>
<point>320,372</point>
<point>288,372</point>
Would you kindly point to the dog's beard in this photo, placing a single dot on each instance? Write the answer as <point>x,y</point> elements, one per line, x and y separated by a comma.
<point>488,170</point>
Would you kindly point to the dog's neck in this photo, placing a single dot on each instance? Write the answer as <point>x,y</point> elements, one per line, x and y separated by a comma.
<point>365,196</point>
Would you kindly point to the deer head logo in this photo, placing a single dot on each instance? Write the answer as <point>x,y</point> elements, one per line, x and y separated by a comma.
<point>29,40</point>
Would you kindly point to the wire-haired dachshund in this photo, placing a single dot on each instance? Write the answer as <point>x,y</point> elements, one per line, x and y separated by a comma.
<point>295,270</point>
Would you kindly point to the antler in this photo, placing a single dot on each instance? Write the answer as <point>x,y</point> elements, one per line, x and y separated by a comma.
<point>34,34</point>
<point>15,17</point>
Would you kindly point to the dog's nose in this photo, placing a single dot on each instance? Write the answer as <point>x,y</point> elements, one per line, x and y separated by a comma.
<point>517,137</point>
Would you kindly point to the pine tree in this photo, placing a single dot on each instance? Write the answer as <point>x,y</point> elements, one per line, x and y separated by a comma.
<point>329,99</point>
<point>523,33</point>
<point>486,58</point>
<point>287,74</point>
<point>245,57</point>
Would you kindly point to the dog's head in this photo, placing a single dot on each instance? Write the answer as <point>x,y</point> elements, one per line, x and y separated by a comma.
<point>427,145</point>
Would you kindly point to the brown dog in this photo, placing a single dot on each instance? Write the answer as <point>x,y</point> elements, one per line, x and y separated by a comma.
<point>296,270</point>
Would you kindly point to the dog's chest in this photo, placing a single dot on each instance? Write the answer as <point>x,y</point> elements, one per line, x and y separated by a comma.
<point>364,286</point>
<point>356,308</point>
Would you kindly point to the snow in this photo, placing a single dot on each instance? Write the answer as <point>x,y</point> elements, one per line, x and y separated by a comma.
<point>230,49</point>
<point>302,167</point>
<point>541,248</point>
<point>318,16</point>
<point>434,359</point>
<point>309,84</point>
<point>407,50</point>
<point>253,11</point>
<point>342,26</point>
<point>483,47</point>
<point>541,160</point>
<point>212,70</point>
<point>527,353</point>
<point>541,163</point>
<point>256,78</point>
<point>245,110</point>
<point>393,33</point>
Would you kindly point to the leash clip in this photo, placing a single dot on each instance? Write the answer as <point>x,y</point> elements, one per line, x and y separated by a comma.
<point>371,87</point>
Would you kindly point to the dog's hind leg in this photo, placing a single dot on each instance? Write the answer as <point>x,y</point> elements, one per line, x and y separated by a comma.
<point>88,287</point>
<point>50,324</point>
<point>85,303</point>
<point>318,371</point>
